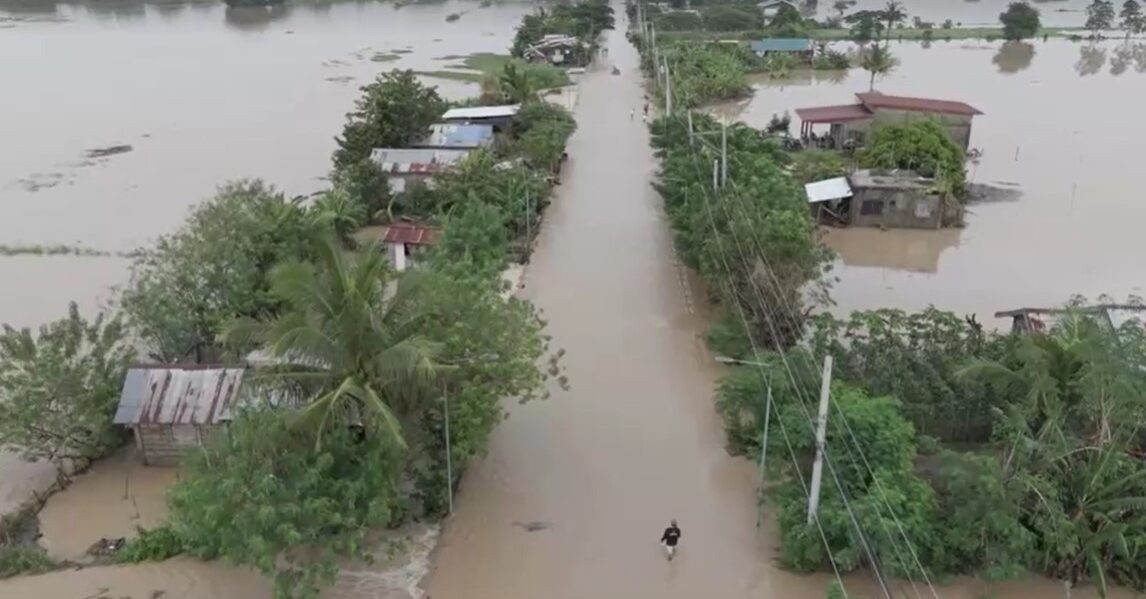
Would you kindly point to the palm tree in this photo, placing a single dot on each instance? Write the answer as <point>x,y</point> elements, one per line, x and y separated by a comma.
<point>515,83</point>
<point>893,13</point>
<point>346,342</point>
<point>877,60</point>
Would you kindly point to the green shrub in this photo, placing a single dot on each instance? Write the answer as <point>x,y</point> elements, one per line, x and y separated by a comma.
<point>152,544</point>
<point>23,559</point>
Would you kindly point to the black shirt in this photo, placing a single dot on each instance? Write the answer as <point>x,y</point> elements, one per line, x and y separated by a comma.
<point>671,536</point>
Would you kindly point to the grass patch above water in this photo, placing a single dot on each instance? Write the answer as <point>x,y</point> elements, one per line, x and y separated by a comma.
<point>475,67</point>
<point>905,34</point>
<point>385,56</point>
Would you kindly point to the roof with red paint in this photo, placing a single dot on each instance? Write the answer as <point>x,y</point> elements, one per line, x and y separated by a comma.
<point>834,114</point>
<point>411,234</point>
<point>875,100</point>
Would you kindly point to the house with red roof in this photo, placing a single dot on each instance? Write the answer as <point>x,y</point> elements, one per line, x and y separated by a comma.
<point>405,241</point>
<point>850,124</point>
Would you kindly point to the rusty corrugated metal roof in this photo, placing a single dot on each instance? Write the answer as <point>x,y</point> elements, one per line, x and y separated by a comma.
<point>834,114</point>
<point>178,395</point>
<point>878,100</point>
<point>410,233</point>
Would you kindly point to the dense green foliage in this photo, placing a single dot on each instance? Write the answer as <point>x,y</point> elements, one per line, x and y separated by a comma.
<point>754,237</point>
<point>192,282</point>
<point>23,559</point>
<point>1020,21</point>
<point>731,18</point>
<point>1056,483</point>
<point>1099,16</point>
<point>394,111</point>
<point>923,146</point>
<point>702,74</point>
<point>59,388</point>
<point>365,184</point>
<point>1131,18</point>
<point>678,20</point>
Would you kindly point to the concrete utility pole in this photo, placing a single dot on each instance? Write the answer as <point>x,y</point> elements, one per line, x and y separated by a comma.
<point>690,128</point>
<point>449,457</point>
<point>821,440</point>
<point>668,89</point>
<point>528,228</point>
<point>715,174</point>
<point>723,152</point>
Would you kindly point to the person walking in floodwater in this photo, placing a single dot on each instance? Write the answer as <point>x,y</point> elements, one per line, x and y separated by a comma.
<point>670,538</point>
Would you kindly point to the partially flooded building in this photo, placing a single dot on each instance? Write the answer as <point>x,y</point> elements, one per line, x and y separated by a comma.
<point>1039,320</point>
<point>557,49</point>
<point>456,136</point>
<point>171,409</point>
<point>877,198</point>
<point>851,124</point>
<point>403,166</point>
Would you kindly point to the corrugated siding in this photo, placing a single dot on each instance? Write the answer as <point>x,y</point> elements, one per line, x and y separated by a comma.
<point>178,395</point>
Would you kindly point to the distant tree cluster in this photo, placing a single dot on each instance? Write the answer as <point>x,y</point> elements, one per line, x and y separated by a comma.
<point>1020,21</point>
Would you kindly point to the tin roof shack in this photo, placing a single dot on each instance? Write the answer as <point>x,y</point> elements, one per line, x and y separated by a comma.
<point>795,46</point>
<point>404,241</point>
<point>1038,320</point>
<point>499,117</point>
<point>173,408</point>
<point>404,165</point>
<point>455,136</point>
<point>895,198</point>
<point>557,49</point>
<point>850,124</point>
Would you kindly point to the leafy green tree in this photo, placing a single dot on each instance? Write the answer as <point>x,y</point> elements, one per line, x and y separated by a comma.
<point>866,25</point>
<point>343,345</point>
<point>679,21</point>
<point>59,387</point>
<point>923,146</point>
<point>544,129</point>
<point>1099,16</point>
<point>189,284</point>
<point>877,60</point>
<point>259,495</point>
<point>1133,21</point>
<point>817,165</point>
<point>516,84</point>
<point>1020,21</point>
<point>787,22</point>
<point>338,211</point>
<point>731,18</point>
<point>841,6</point>
<point>393,112</point>
<point>364,182</point>
<point>703,74</point>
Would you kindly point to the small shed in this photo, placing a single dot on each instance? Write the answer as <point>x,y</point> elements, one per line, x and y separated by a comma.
<point>894,198</point>
<point>826,198</point>
<point>796,46</point>
<point>499,117</point>
<point>403,165</point>
<point>556,49</point>
<point>454,136</point>
<point>404,241</point>
<point>1111,316</point>
<point>172,408</point>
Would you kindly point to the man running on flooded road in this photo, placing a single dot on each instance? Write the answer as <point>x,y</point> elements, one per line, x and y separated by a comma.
<point>670,538</point>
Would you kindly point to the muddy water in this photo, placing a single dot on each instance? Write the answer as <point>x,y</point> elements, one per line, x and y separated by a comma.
<point>202,94</point>
<point>1060,127</point>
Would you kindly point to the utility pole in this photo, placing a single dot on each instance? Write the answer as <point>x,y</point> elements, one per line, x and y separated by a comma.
<point>449,457</point>
<point>528,228</point>
<point>668,89</point>
<point>763,453</point>
<point>690,128</point>
<point>715,174</point>
<point>724,151</point>
<point>821,439</point>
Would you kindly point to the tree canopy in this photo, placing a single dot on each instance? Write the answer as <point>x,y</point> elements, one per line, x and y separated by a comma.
<point>1099,16</point>
<point>394,111</point>
<point>1020,21</point>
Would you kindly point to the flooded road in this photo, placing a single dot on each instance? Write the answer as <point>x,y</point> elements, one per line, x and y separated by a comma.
<point>201,94</point>
<point>1060,126</point>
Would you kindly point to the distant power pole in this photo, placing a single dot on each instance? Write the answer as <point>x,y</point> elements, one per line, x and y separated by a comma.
<point>821,440</point>
<point>724,151</point>
<point>668,89</point>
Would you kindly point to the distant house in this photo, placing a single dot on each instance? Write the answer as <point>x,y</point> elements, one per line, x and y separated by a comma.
<point>1038,320</point>
<point>769,8</point>
<point>556,49</point>
<point>793,46</point>
<point>850,124</point>
<point>172,409</point>
<point>405,165</point>
<point>499,117</point>
<point>456,136</point>
<point>877,198</point>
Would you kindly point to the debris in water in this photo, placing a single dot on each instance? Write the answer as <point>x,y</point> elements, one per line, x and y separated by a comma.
<point>450,18</point>
<point>105,547</point>
<point>533,525</point>
<point>343,80</point>
<point>108,151</point>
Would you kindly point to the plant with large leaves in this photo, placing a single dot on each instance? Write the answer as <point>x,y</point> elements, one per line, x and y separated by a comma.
<point>347,341</point>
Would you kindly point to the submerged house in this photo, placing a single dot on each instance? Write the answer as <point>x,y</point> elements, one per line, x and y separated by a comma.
<point>557,49</point>
<point>499,117</point>
<point>877,198</point>
<point>172,409</point>
<point>455,136</point>
<point>1037,320</point>
<point>792,46</point>
<point>405,165</point>
<point>850,124</point>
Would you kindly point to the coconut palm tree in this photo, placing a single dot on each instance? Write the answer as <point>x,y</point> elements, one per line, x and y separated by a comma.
<point>515,83</point>
<point>894,14</point>
<point>346,345</point>
<point>877,60</point>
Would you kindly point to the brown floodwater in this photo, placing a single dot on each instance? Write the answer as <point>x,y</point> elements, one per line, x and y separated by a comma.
<point>1060,128</point>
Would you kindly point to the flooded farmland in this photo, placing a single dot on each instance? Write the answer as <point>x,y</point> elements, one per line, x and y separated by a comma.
<point>1060,134</point>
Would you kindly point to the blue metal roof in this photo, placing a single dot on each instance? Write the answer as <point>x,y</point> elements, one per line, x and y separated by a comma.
<point>781,44</point>
<point>451,135</point>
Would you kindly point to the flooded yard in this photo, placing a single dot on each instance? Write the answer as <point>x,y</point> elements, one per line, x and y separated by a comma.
<point>1060,126</point>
